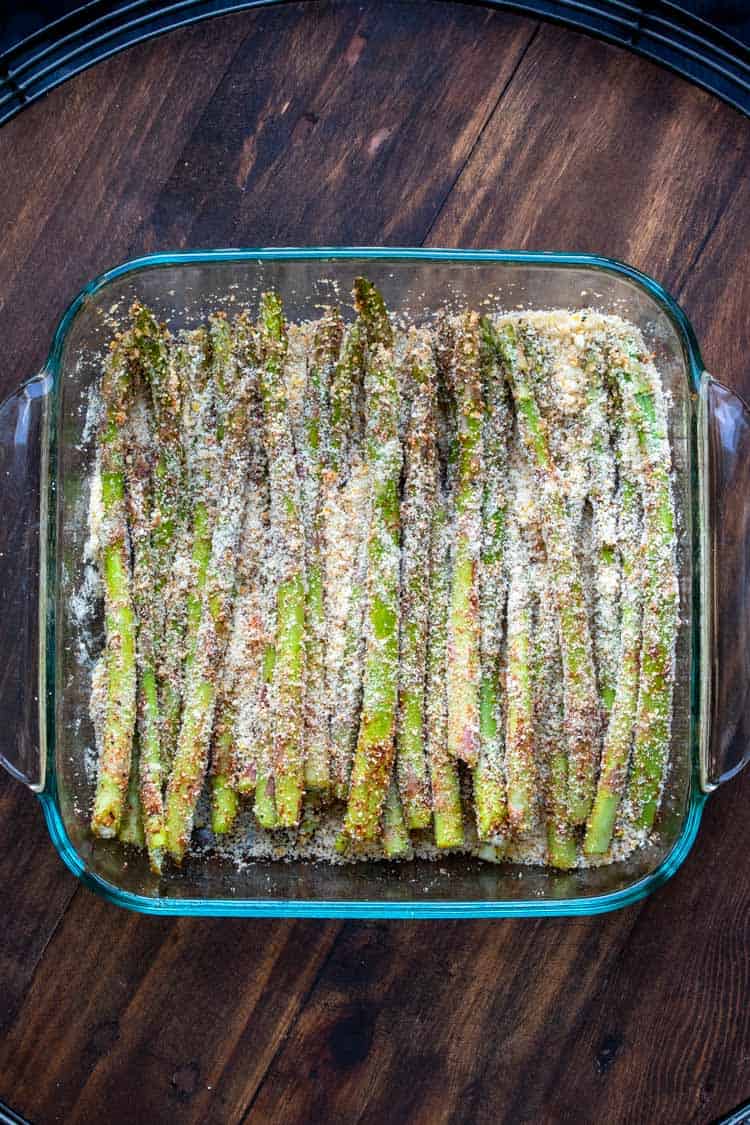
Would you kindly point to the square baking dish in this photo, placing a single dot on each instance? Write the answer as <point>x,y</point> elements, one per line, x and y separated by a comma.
<point>46,453</point>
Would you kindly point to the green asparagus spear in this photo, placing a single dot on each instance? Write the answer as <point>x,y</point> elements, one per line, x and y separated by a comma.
<point>619,737</point>
<point>224,795</point>
<point>346,515</point>
<point>375,745</point>
<point>287,686</point>
<point>549,718</point>
<point>326,346</point>
<point>447,427</point>
<point>489,781</point>
<point>120,711</point>
<point>520,769</point>
<point>202,442</point>
<point>345,605</point>
<point>463,617</point>
<point>233,762</point>
<point>524,358</point>
<point>346,377</point>
<point>161,371</point>
<point>139,498</point>
<point>131,822</point>
<point>420,481</point>
<point>645,415</point>
<point>396,844</point>
<point>606,557</point>
<point>265,794</point>
<point>444,781</point>
<point>233,393</point>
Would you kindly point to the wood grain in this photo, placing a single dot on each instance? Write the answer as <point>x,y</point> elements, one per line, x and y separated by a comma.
<point>383,123</point>
<point>35,891</point>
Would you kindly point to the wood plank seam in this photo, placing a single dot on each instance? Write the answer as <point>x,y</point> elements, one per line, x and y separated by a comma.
<point>245,1117</point>
<point>706,239</point>
<point>478,139</point>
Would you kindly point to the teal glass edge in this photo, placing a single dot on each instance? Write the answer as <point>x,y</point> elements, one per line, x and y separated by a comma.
<point>367,909</point>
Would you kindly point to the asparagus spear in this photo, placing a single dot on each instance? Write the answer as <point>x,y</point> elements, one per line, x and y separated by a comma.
<point>120,710</point>
<point>326,346</point>
<point>131,822</point>
<point>396,844</point>
<point>161,371</point>
<point>232,761</point>
<point>265,790</point>
<point>288,532</point>
<point>420,481</point>
<point>346,377</point>
<point>139,498</point>
<point>373,756</point>
<point>254,745</point>
<point>619,737</point>
<point>489,782</point>
<point>645,415</point>
<point>463,618</point>
<point>523,354</point>
<point>233,390</point>
<point>202,442</point>
<point>345,517</point>
<point>603,486</point>
<point>345,606</point>
<point>447,427</point>
<point>520,768</point>
<point>549,719</point>
<point>444,781</point>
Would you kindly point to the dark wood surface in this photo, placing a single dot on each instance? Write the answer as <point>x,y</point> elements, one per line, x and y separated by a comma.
<point>395,123</point>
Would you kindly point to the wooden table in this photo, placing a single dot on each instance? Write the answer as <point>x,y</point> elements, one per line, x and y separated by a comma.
<point>395,123</point>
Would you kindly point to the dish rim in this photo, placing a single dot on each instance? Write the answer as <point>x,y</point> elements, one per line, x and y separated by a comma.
<point>365,908</point>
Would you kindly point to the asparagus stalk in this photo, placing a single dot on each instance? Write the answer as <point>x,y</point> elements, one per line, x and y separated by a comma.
<point>645,415</point>
<point>373,756</point>
<point>396,843</point>
<point>444,781</point>
<point>420,481</point>
<point>346,579</point>
<point>346,377</point>
<point>131,822</point>
<point>254,746</point>
<point>549,719</point>
<point>326,346</point>
<point>619,737</point>
<point>233,389</point>
<point>161,370</point>
<point>345,517</point>
<point>265,790</point>
<point>139,496</point>
<point>224,796</point>
<point>520,768</point>
<point>607,562</point>
<point>120,710</point>
<point>524,359</point>
<point>447,428</point>
<point>202,442</point>
<point>489,781</point>
<point>232,761</point>
<point>287,685</point>
<point>463,618</point>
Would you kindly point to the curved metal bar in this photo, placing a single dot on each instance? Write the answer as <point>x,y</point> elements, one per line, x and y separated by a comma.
<point>660,31</point>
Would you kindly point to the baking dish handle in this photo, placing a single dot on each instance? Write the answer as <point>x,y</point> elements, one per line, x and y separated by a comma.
<point>724,450</point>
<point>23,473</point>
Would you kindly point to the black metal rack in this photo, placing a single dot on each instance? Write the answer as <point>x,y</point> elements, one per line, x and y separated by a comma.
<point>659,30</point>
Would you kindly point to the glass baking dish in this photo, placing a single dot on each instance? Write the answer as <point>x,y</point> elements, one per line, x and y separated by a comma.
<point>46,453</point>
